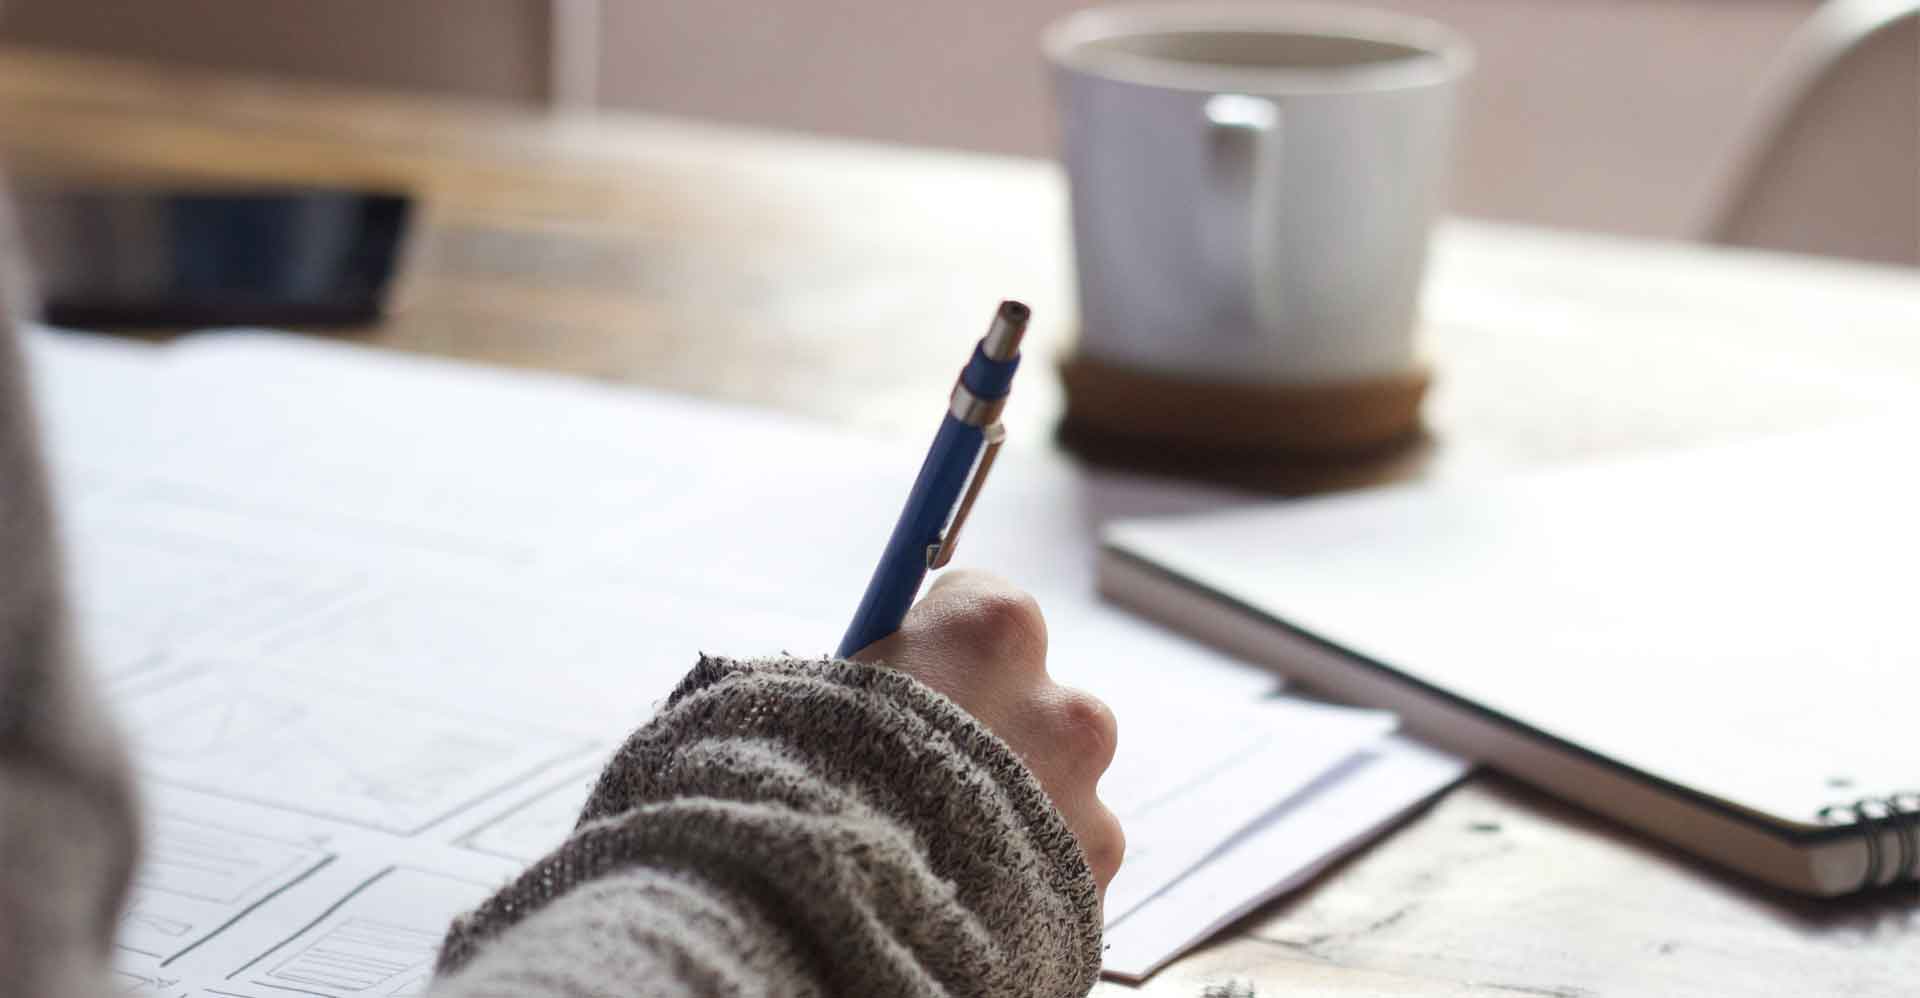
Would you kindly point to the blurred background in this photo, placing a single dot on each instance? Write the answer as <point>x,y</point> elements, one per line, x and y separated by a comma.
<point>1789,124</point>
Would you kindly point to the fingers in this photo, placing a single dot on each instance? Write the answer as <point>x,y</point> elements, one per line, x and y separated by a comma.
<point>973,637</point>
<point>1083,730</point>
<point>1078,734</point>
<point>1101,838</point>
<point>1084,736</point>
<point>972,615</point>
<point>886,649</point>
<point>983,643</point>
<point>987,616</point>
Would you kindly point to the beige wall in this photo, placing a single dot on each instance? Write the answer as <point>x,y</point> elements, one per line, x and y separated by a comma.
<point>1603,114</point>
<point>1616,115</point>
<point>483,48</point>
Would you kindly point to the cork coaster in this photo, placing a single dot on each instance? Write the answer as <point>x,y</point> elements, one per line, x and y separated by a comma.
<point>1330,420</point>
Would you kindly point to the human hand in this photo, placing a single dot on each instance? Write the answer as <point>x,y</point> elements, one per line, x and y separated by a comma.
<point>983,644</point>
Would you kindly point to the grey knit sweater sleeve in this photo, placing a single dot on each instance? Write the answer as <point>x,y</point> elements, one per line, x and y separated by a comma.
<point>790,828</point>
<point>66,803</point>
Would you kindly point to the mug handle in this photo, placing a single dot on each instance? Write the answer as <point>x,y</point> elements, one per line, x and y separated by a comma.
<point>1243,139</point>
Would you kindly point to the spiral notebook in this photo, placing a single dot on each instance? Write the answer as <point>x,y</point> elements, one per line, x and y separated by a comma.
<point>1717,647</point>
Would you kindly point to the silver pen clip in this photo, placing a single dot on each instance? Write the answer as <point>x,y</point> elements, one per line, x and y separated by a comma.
<point>941,551</point>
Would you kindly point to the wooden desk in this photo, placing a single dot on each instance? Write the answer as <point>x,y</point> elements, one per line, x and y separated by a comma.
<point>833,279</point>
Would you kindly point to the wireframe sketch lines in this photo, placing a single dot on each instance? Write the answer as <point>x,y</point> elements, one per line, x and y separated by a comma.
<point>357,955</point>
<point>130,983</point>
<point>195,878</point>
<point>143,598</point>
<point>379,940</point>
<point>536,826</point>
<point>346,755</point>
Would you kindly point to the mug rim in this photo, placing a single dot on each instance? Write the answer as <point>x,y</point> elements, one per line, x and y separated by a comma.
<point>1442,54</point>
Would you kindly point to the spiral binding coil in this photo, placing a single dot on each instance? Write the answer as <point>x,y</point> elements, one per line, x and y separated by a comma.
<point>1900,814</point>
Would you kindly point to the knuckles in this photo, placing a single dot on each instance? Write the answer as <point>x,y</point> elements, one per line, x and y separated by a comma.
<point>1003,626</point>
<point>1088,728</point>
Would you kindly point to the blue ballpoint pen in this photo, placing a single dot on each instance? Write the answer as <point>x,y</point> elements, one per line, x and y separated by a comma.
<point>929,525</point>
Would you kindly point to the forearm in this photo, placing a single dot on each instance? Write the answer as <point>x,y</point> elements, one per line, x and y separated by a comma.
<point>65,852</point>
<point>797,828</point>
<point>67,837</point>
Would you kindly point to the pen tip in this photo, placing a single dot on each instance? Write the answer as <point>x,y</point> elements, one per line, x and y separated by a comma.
<point>1009,325</point>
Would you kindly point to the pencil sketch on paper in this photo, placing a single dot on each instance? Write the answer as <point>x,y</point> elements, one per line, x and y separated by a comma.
<point>130,983</point>
<point>195,879</point>
<point>379,941</point>
<point>358,955</point>
<point>535,826</point>
<point>345,755</point>
<point>143,597</point>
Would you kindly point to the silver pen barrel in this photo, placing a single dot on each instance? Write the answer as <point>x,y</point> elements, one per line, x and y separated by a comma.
<point>1002,342</point>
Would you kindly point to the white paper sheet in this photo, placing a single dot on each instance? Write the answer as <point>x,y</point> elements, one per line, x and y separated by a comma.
<point>1338,813</point>
<point>379,939</point>
<point>1177,809</point>
<point>334,589</point>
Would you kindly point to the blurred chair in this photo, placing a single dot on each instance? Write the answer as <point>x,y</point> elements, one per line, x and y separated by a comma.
<point>1831,164</point>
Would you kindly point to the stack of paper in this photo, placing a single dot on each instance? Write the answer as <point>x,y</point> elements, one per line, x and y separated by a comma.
<point>374,622</point>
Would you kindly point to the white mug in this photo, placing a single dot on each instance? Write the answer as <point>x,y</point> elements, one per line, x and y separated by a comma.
<point>1253,186</point>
